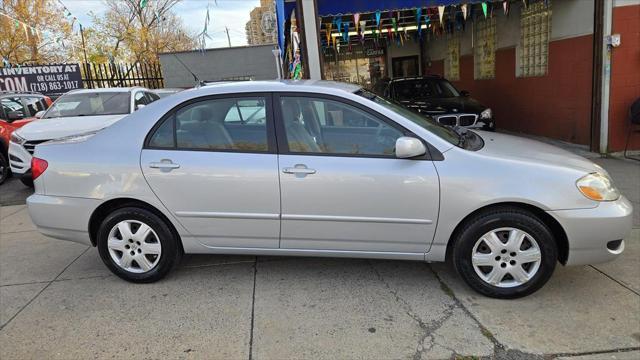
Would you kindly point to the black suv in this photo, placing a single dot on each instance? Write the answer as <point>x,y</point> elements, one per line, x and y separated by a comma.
<point>438,98</point>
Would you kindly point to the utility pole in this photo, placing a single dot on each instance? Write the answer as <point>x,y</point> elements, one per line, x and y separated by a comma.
<point>228,38</point>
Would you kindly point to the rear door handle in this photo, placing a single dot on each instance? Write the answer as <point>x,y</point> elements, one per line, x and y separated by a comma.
<point>164,164</point>
<point>299,169</point>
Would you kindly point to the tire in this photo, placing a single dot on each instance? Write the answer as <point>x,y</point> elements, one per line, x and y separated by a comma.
<point>4,168</point>
<point>150,257</point>
<point>505,270</point>
<point>27,180</point>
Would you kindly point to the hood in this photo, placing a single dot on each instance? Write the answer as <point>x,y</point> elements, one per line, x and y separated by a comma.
<point>22,122</point>
<point>435,106</point>
<point>53,128</point>
<point>522,149</point>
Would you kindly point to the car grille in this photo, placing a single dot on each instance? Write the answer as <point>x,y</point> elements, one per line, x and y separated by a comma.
<point>30,146</point>
<point>457,119</point>
<point>448,120</point>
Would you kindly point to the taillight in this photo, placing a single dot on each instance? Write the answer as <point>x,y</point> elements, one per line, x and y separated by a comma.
<point>38,166</point>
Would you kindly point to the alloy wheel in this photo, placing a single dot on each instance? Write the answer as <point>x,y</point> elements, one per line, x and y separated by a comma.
<point>134,246</point>
<point>506,257</point>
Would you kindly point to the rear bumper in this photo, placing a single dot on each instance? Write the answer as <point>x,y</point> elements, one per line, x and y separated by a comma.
<point>589,231</point>
<point>60,217</point>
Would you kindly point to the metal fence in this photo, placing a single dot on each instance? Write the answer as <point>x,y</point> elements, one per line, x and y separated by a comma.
<point>147,75</point>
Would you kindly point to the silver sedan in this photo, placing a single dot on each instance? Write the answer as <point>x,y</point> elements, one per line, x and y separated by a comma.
<point>323,169</point>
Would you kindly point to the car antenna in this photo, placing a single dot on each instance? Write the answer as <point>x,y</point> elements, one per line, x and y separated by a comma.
<point>195,77</point>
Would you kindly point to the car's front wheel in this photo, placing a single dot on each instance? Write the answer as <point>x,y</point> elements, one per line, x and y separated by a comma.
<point>505,253</point>
<point>137,245</point>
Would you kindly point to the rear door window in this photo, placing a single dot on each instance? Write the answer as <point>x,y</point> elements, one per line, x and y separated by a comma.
<point>221,124</point>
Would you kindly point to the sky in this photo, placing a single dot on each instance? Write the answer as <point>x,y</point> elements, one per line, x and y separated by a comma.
<point>231,13</point>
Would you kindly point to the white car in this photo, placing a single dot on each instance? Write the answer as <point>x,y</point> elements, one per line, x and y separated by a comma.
<point>74,113</point>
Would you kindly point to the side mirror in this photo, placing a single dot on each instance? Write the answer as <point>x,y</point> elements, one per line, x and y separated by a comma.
<point>39,114</point>
<point>408,147</point>
<point>140,106</point>
<point>15,115</point>
<point>465,93</point>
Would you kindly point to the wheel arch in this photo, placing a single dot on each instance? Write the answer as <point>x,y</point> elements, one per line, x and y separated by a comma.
<point>102,211</point>
<point>559,235</point>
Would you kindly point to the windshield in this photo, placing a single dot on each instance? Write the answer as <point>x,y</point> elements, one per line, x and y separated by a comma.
<point>423,88</point>
<point>87,104</point>
<point>425,122</point>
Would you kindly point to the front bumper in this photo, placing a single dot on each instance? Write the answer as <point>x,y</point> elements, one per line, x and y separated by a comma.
<point>62,217</point>
<point>589,230</point>
<point>19,159</point>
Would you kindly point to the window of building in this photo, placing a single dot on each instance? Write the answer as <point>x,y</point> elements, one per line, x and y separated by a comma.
<point>533,49</point>
<point>364,66</point>
<point>484,49</point>
<point>452,61</point>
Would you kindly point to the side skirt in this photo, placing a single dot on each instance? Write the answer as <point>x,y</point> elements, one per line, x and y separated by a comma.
<point>203,249</point>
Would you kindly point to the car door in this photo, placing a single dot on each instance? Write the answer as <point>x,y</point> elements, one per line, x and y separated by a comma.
<point>342,188</point>
<point>219,179</point>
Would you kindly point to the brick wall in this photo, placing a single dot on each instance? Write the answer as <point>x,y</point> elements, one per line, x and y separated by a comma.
<point>625,76</point>
<point>557,105</point>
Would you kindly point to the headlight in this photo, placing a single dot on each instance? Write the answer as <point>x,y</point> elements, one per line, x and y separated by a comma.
<point>598,187</point>
<point>17,138</point>
<point>486,114</point>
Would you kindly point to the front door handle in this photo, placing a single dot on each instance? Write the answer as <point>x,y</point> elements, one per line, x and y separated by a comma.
<point>299,170</point>
<point>164,164</point>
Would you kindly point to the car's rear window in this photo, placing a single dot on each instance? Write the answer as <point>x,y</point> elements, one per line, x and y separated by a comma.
<point>88,104</point>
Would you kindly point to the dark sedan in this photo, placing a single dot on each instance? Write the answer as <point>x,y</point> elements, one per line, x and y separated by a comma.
<point>437,97</point>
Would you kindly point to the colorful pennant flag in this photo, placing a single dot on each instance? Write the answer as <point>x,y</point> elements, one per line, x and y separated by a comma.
<point>441,13</point>
<point>356,21</point>
<point>328,27</point>
<point>484,9</point>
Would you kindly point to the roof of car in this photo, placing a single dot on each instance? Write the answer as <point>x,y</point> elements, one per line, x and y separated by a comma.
<point>104,90</point>
<point>283,85</point>
<point>4,93</point>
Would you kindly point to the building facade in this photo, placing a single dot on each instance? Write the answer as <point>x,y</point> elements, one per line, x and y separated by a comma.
<point>258,28</point>
<point>545,67</point>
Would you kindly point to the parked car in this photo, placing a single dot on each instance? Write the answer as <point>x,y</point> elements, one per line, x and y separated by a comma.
<point>164,92</point>
<point>16,110</point>
<point>437,97</point>
<point>76,112</point>
<point>332,170</point>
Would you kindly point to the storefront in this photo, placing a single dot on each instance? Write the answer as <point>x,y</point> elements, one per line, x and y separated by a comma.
<point>359,65</point>
<point>537,63</point>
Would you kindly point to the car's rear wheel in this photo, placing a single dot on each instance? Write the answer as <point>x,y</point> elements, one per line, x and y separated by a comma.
<point>4,168</point>
<point>137,245</point>
<point>505,253</point>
